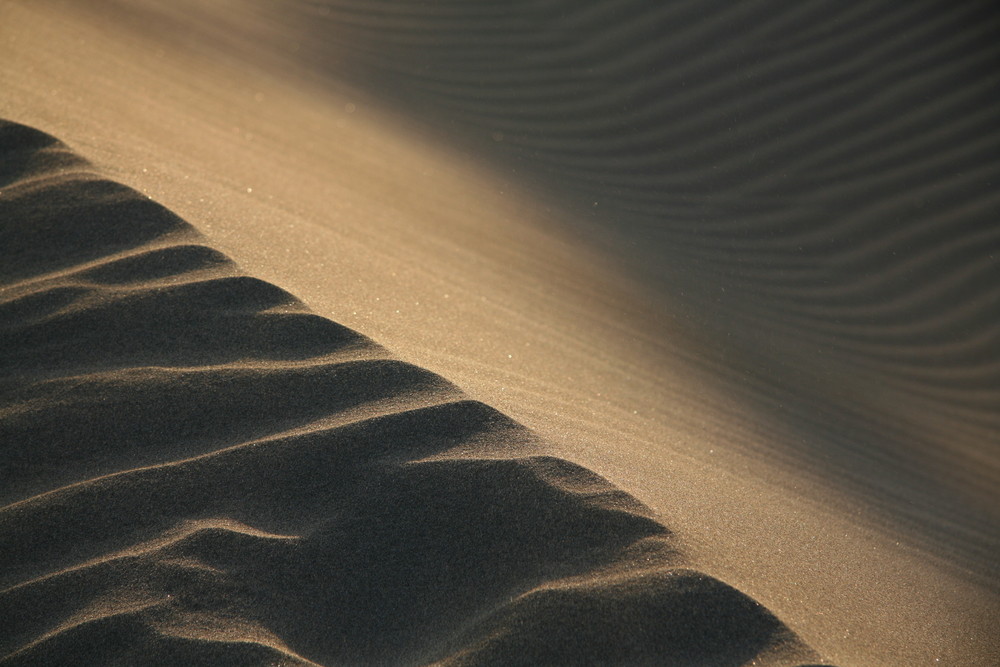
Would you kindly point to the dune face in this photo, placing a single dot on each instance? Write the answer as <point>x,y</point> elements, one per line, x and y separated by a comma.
<point>812,185</point>
<point>737,259</point>
<point>199,471</point>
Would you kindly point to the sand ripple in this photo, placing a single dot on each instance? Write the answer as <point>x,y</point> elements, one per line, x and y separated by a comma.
<point>198,471</point>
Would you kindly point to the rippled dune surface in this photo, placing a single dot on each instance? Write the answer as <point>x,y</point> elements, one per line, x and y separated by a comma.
<point>177,493</point>
<point>725,274</point>
<point>818,178</point>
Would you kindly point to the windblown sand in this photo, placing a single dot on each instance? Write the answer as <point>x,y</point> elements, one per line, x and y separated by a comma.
<point>622,333</point>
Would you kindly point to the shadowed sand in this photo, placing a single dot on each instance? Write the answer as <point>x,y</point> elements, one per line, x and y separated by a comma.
<point>812,185</point>
<point>738,259</point>
<point>199,471</point>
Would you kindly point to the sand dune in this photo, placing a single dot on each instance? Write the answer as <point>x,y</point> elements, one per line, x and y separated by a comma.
<point>198,471</point>
<point>760,159</point>
<point>739,259</point>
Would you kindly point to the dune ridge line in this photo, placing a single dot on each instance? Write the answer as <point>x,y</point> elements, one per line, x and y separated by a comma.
<point>199,471</point>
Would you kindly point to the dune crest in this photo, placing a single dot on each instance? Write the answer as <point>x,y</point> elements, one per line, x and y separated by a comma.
<point>199,471</point>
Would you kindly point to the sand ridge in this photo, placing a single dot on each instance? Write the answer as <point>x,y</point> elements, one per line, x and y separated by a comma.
<point>774,327</point>
<point>761,160</point>
<point>161,506</point>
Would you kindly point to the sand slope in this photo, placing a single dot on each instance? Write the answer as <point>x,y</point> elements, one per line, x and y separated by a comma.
<point>199,471</point>
<point>811,185</point>
<point>740,259</point>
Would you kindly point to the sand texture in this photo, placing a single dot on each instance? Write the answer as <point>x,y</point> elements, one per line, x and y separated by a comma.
<point>530,332</point>
<point>200,471</point>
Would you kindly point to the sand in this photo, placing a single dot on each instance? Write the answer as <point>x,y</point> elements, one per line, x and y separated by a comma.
<point>620,333</point>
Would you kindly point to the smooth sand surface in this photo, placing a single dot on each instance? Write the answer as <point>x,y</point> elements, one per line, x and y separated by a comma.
<point>739,260</point>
